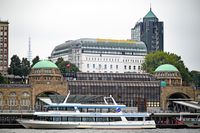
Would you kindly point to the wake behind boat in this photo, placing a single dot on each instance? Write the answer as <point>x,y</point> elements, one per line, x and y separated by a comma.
<point>87,116</point>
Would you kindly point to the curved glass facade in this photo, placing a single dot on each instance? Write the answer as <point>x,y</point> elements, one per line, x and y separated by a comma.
<point>102,46</point>
<point>102,55</point>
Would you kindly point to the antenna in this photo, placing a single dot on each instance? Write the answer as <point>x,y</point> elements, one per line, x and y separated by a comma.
<point>29,49</point>
<point>150,6</point>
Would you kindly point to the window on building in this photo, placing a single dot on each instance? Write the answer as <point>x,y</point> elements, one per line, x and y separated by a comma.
<point>94,66</point>
<point>88,66</point>
<point>12,99</point>
<point>25,94</point>
<point>105,66</point>
<point>25,102</point>
<point>110,66</point>
<point>139,67</point>
<point>125,67</point>
<point>13,94</point>
<point>134,67</point>
<point>129,67</point>
<point>116,66</point>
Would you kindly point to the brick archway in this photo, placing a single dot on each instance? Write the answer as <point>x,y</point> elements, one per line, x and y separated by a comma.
<point>178,95</point>
<point>61,89</point>
<point>46,92</point>
<point>172,90</point>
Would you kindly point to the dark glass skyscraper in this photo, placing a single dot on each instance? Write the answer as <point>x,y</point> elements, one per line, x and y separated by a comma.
<point>150,31</point>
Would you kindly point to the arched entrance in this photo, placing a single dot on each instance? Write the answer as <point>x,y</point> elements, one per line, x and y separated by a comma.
<point>178,96</point>
<point>40,105</point>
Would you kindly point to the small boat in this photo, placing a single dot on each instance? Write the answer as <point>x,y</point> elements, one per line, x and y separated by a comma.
<point>192,122</point>
<point>88,116</point>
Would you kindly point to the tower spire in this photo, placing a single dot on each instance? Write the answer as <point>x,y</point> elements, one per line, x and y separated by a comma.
<point>150,6</point>
<point>29,49</point>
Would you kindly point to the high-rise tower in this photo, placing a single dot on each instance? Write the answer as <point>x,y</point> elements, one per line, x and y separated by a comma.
<point>3,47</point>
<point>150,31</point>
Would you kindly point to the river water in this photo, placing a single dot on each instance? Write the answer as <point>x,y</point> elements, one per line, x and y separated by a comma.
<point>100,131</point>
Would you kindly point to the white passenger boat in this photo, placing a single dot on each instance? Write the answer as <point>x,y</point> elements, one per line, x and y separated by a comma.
<point>92,116</point>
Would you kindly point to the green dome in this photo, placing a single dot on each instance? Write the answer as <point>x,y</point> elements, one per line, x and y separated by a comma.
<point>166,68</point>
<point>45,64</point>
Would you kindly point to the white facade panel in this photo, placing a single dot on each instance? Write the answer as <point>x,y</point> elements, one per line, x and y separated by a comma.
<point>111,63</point>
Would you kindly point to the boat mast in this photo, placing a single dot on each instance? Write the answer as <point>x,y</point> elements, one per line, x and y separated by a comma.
<point>67,97</point>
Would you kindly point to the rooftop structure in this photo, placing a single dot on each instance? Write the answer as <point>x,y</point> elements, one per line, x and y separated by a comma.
<point>169,74</point>
<point>45,64</point>
<point>45,72</point>
<point>166,68</point>
<point>150,14</point>
<point>150,31</point>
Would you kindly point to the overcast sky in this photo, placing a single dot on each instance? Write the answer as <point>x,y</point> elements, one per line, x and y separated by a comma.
<point>52,22</point>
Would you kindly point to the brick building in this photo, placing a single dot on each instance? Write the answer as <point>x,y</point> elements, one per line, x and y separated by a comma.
<point>4,47</point>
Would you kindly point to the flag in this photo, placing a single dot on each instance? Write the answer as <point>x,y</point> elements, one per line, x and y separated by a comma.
<point>68,65</point>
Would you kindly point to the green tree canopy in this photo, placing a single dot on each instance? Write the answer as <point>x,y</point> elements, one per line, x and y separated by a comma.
<point>15,66</point>
<point>25,67</point>
<point>195,78</point>
<point>3,80</point>
<point>35,60</point>
<point>18,67</point>
<point>66,66</point>
<point>155,59</point>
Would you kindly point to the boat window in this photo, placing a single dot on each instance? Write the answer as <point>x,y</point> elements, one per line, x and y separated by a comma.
<point>88,119</point>
<point>132,119</point>
<point>114,119</point>
<point>74,119</point>
<point>61,108</point>
<point>102,119</point>
<point>56,118</point>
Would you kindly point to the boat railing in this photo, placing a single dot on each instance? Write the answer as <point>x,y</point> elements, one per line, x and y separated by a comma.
<point>17,111</point>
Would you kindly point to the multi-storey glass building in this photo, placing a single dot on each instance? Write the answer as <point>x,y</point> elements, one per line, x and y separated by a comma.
<point>150,31</point>
<point>130,89</point>
<point>3,47</point>
<point>102,55</point>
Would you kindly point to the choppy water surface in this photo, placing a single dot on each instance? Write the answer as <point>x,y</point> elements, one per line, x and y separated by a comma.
<point>100,131</point>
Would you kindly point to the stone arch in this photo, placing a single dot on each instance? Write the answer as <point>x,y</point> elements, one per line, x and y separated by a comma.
<point>178,95</point>
<point>60,89</point>
<point>175,96</point>
<point>40,105</point>
<point>47,93</point>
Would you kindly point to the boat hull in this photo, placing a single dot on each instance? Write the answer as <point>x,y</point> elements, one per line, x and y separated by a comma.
<point>86,125</point>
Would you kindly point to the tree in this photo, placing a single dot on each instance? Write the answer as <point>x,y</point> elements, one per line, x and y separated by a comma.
<point>25,67</point>
<point>155,59</point>
<point>15,66</point>
<point>195,78</point>
<point>3,80</point>
<point>18,67</point>
<point>35,60</point>
<point>66,66</point>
